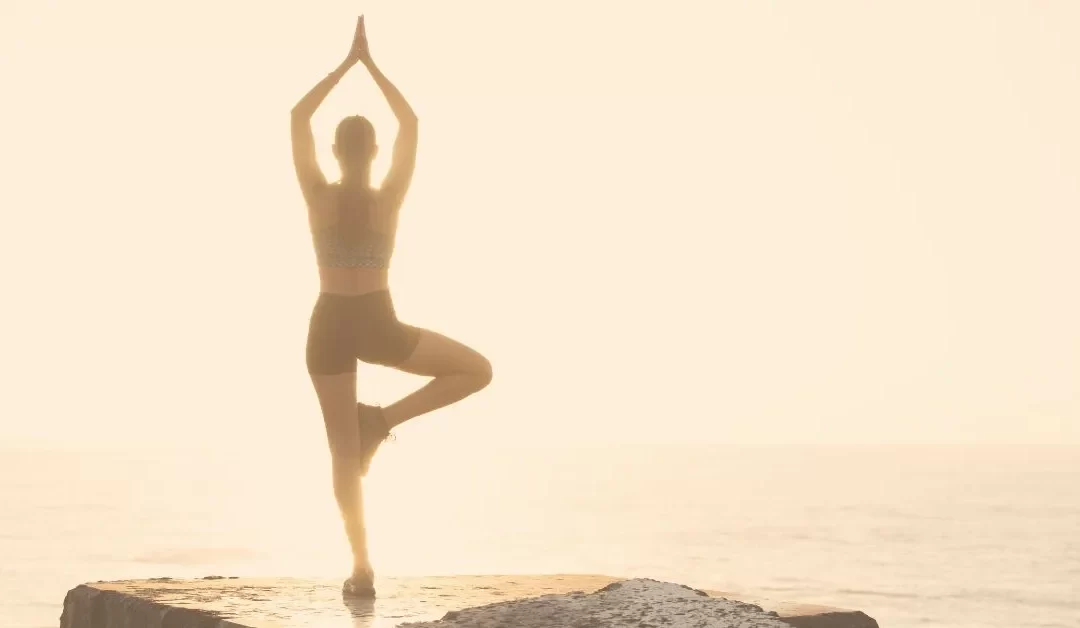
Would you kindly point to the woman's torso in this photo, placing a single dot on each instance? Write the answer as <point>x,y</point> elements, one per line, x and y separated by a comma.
<point>353,232</point>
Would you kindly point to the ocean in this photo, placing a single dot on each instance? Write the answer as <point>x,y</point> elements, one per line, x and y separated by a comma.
<point>944,536</point>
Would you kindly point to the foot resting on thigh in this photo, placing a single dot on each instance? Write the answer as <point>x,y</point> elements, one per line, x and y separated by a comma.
<point>373,431</point>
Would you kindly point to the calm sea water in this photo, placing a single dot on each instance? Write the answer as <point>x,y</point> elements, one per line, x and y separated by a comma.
<point>914,536</point>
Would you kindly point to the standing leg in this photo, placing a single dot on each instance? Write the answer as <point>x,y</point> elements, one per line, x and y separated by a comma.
<point>337,398</point>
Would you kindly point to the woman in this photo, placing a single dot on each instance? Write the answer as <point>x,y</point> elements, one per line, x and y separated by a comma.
<point>353,228</point>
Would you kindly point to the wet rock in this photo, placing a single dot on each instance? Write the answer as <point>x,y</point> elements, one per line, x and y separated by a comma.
<point>551,601</point>
<point>643,603</point>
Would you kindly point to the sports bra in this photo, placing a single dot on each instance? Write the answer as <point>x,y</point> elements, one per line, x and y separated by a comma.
<point>351,242</point>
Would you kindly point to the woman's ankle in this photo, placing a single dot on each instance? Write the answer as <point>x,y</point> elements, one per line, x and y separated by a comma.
<point>391,417</point>
<point>363,573</point>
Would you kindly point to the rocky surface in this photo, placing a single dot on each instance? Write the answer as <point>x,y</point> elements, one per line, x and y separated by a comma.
<point>573,601</point>
<point>641,603</point>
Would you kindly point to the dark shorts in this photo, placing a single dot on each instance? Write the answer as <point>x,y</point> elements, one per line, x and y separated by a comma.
<point>347,328</point>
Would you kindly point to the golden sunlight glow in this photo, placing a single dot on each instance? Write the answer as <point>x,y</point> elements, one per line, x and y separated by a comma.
<point>811,222</point>
<point>750,215</point>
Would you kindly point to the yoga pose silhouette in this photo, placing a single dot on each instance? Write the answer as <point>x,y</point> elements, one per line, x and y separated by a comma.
<point>353,228</point>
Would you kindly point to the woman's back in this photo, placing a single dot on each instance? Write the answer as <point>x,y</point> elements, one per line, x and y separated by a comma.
<point>353,239</point>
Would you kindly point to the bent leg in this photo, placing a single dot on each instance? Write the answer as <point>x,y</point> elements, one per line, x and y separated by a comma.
<point>458,372</point>
<point>337,398</point>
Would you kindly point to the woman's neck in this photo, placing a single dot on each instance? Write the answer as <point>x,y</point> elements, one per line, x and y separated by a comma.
<point>356,180</point>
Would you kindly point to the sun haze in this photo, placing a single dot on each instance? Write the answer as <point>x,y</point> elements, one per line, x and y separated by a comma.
<point>685,221</point>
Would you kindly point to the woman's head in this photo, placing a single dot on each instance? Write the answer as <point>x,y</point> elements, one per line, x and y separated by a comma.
<point>354,144</point>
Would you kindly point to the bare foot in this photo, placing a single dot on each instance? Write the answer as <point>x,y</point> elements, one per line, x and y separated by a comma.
<point>373,431</point>
<point>361,584</point>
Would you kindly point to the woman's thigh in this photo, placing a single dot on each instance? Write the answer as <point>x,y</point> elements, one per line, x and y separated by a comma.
<point>436,354</point>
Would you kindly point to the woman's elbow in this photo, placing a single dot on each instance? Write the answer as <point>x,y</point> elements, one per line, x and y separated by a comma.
<point>408,119</point>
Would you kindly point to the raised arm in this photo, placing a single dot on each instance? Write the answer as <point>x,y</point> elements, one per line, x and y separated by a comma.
<point>312,180</point>
<point>403,162</point>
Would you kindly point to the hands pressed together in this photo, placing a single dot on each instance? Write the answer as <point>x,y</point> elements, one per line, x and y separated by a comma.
<point>359,52</point>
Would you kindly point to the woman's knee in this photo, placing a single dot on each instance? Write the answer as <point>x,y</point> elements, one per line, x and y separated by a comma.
<point>482,372</point>
<point>436,355</point>
<point>345,456</point>
<point>345,466</point>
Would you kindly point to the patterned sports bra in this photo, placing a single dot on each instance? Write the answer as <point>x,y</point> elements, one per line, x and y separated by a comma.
<point>351,242</point>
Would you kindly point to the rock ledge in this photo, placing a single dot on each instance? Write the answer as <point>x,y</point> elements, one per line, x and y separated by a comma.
<point>556,601</point>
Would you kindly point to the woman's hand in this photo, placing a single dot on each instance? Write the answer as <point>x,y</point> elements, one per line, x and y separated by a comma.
<point>359,53</point>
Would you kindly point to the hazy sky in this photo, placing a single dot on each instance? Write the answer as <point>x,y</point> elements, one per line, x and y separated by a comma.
<point>681,221</point>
